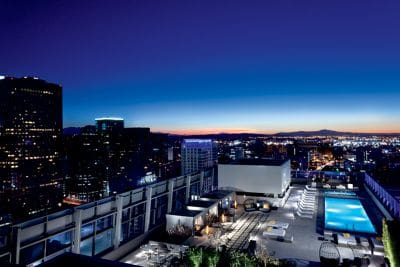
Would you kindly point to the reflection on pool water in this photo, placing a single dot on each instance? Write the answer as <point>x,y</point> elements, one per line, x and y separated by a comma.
<point>346,215</point>
<point>339,193</point>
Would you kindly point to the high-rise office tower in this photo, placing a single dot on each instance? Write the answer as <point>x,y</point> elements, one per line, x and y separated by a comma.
<point>135,152</point>
<point>84,177</point>
<point>197,155</point>
<point>30,136</point>
<point>110,133</point>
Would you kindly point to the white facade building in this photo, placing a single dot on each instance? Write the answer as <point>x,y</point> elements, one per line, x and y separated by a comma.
<point>260,178</point>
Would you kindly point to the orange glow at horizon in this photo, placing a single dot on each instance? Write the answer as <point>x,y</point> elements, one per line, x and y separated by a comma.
<point>206,131</point>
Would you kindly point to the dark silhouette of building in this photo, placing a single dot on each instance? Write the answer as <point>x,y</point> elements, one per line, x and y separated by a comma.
<point>100,161</point>
<point>84,177</point>
<point>114,172</point>
<point>30,139</point>
<point>135,154</point>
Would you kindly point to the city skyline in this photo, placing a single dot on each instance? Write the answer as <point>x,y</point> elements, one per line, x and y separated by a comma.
<point>263,67</point>
<point>200,133</point>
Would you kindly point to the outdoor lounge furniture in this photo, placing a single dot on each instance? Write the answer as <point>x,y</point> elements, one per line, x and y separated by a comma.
<point>308,216</point>
<point>270,231</point>
<point>310,209</point>
<point>364,242</point>
<point>346,239</point>
<point>305,207</point>
<point>311,188</point>
<point>377,246</point>
<point>277,224</point>
<point>306,211</point>
<point>307,203</point>
<point>308,198</point>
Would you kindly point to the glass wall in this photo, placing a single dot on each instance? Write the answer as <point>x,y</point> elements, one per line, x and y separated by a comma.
<point>32,253</point>
<point>87,246</point>
<point>136,226</point>
<point>132,222</point>
<point>87,230</point>
<point>104,223</point>
<point>124,232</point>
<point>159,207</point>
<point>103,241</point>
<point>179,199</point>
<point>99,241</point>
<point>195,190</point>
<point>58,242</point>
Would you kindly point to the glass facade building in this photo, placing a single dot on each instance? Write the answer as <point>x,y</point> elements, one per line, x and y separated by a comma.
<point>99,227</point>
<point>197,155</point>
<point>30,141</point>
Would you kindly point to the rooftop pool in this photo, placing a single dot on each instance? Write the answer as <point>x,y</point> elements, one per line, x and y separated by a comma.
<point>344,214</point>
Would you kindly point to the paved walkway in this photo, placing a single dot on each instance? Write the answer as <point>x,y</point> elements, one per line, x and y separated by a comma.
<point>235,236</point>
<point>238,234</point>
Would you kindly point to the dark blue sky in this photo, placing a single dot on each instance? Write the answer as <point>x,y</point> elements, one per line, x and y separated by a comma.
<point>266,66</point>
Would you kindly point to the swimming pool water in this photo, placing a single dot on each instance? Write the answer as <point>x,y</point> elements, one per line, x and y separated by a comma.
<point>340,193</point>
<point>346,215</point>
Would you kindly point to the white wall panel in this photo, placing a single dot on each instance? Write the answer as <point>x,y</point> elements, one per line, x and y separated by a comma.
<point>254,178</point>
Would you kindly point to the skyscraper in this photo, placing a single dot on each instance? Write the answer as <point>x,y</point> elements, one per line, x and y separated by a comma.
<point>84,177</point>
<point>135,154</point>
<point>110,133</point>
<point>30,136</point>
<point>197,155</point>
<point>109,125</point>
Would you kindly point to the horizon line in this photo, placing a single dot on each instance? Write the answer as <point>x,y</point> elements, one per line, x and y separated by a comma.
<point>208,131</point>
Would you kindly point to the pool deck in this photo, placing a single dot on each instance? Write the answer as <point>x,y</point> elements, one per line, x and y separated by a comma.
<point>301,242</point>
<point>305,245</point>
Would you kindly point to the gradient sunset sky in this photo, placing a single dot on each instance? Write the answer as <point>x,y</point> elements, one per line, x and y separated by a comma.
<point>213,66</point>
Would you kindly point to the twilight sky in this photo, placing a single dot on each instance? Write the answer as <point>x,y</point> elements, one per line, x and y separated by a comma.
<point>212,66</point>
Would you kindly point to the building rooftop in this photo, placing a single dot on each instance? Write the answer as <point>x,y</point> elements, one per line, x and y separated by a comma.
<point>197,140</point>
<point>109,119</point>
<point>263,162</point>
<point>187,213</point>
<point>217,194</point>
<point>197,143</point>
<point>201,203</point>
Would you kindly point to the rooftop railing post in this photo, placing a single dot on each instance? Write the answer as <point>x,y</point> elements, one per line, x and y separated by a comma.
<point>17,244</point>
<point>118,220</point>
<point>188,181</point>
<point>76,246</point>
<point>149,192</point>
<point>170,195</point>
